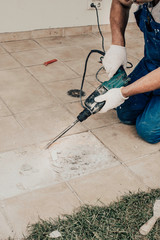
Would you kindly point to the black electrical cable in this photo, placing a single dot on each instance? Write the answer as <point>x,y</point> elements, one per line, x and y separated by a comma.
<point>92,51</point>
<point>85,69</point>
<point>93,5</point>
<point>130,65</point>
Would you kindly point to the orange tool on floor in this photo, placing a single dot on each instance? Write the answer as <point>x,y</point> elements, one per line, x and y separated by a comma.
<point>50,61</point>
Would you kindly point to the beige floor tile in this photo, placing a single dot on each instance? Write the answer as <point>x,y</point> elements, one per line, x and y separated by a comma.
<point>44,125</point>
<point>2,50</point>
<point>107,37</point>
<point>147,169</point>
<point>138,53</point>
<point>102,76</point>
<point>132,60</point>
<point>8,62</point>
<point>131,26</point>
<point>74,107</point>
<point>86,40</point>
<point>71,31</point>
<point>124,142</point>
<point>45,203</point>
<point>60,89</point>
<point>21,92</point>
<point>26,169</point>
<point>11,134</point>
<point>92,67</point>
<point>134,34</point>
<point>68,53</point>
<point>14,36</point>
<point>23,45</point>
<point>106,185</point>
<point>96,120</point>
<point>54,42</point>
<point>88,46</point>
<point>104,28</point>
<point>53,72</point>
<point>4,111</point>
<point>43,33</point>
<point>134,43</point>
<point>5,230</point>
<point>34,57</point>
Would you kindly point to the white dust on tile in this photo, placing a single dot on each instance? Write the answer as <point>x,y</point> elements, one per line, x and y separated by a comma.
<point>25,169</point>
<point>79,155</point>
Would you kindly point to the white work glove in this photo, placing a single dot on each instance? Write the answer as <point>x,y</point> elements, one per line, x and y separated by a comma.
<point>113,99</point>
<point>114,58</point>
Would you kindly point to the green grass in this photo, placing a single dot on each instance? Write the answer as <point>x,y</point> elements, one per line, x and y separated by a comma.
<point>120,220</point>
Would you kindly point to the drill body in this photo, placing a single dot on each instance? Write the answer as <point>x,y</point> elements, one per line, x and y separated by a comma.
<point>120,79</point>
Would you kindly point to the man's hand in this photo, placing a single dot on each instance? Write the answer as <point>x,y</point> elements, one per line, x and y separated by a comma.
<point>113,99</point>
<point>114,58</point>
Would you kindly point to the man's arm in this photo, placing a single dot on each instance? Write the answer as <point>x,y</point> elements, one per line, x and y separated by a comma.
<point>116,96</point>
<point>116,55</point>
<point>119,15</point>
<point>149,82</point>
<point>118,19</point>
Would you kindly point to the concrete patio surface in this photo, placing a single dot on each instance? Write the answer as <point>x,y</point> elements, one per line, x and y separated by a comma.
<point>96,162</point>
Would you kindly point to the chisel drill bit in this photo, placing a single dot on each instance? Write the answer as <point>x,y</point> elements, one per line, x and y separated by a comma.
<point>61,134</point>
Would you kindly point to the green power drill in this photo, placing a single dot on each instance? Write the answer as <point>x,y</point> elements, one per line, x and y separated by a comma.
<point>90,106</point>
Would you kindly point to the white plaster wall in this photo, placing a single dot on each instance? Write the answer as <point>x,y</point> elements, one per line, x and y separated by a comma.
<point>24,15</point>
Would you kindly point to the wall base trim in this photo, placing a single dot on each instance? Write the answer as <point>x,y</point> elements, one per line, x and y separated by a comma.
<point>54,32</point>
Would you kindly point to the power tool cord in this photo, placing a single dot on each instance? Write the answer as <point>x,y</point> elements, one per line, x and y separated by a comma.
<point>92,5</point>
<point>92,51</point>
<point>84,73</point>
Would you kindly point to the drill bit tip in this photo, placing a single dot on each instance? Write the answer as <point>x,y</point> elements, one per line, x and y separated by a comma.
<point>61,134</point>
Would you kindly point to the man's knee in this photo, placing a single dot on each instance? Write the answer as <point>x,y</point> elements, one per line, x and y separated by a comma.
<point>125,117</point>
<point>148,132</point>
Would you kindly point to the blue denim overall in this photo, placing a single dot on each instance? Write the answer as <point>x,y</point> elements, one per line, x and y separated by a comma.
<point>144,109</point>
